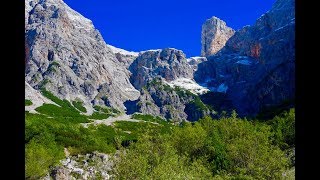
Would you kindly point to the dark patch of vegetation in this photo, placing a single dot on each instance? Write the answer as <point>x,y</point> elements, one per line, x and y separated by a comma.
<point>283,128</point>
<point>105,109</point>
<point>63,103</point>
<point>79,106</point>
<point>183,92</point>
<point>217,101</point>
<point>104,112</point>
<point>52,66</point>
<point>27,102</point>
<point>198,104</point>
<point>272,111</point>
<point>148,103</point>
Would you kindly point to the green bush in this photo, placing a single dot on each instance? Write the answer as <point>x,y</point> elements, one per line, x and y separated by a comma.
<point>40,155</point>
<point>283,127</point>
<point>63,103</point>
<point>107,110</point>
<point>199,105</point>
<point>152,157</point>
<point>79,106</point>
<point>27,102</point>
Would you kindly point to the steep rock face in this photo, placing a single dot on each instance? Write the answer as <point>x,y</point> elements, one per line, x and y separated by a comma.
<point>68,56</point>
<point>159,99</point>
<point>214,35</point>
<point>256,67</point>
<point>168,63</point>
<point>195,61</point>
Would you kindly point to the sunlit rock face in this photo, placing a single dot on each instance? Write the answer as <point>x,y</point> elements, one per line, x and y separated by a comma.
<point>68,56</point>
<point>214,35</point>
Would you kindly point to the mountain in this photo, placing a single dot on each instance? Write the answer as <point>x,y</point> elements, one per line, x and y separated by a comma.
<point>168,63</point>
<point>169,101</point>
<point>67,56</point>
<point>123,56</point>
<point>256,68</point>
<point>214,35</point>
<point>165,80</point>
<point>248,70</point>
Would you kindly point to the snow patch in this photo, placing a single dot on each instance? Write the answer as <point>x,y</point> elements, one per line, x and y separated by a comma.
<point>188,84</point>
<point>122,51</point>
<point>150,50</point>
<point>244,62</point>
<point>197,59</point>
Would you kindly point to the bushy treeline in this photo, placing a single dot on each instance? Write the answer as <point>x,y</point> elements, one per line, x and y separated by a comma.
<point>227,148</point>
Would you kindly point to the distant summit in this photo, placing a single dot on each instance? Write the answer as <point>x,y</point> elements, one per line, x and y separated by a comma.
<point>215,33</point>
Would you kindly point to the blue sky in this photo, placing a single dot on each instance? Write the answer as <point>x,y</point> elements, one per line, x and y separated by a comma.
<point>137,25</point>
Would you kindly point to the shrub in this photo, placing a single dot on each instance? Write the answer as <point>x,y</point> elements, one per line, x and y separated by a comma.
<point>228,148</point>
<point>27,102</point>
<point>79,106</point>
<point>107,110</point>
<point>152,157</point>
<point>283,127</point>
<point>63,103</point>
<point>41,154</point>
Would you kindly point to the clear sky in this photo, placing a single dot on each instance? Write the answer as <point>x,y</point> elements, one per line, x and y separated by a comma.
<point>137,25</point>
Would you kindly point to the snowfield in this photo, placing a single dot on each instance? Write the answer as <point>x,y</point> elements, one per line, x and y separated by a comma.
<point>188,84</point>
<point>122,51</point>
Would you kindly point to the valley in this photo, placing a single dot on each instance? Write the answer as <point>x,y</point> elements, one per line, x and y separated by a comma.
<point>96,111</point>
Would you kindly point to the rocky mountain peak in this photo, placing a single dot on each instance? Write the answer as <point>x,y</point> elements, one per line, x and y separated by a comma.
<point>68,57</point>
<point>214,35</point>
<point>255,68</point>
<point>168,63</point>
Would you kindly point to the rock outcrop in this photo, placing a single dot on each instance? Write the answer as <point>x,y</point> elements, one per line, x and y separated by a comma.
<point>194,61</point>
<point>94,165</point>
<point>123,56</point>
<point>256,68</point>
<point>168,63</point>
<point>160,99</point>
<point>68,56</point>
<point>214,35</point>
